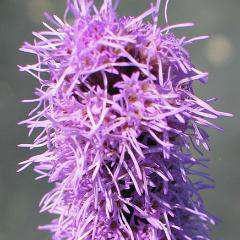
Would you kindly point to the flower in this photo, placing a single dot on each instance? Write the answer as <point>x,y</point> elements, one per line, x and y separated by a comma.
<point>119,118</point>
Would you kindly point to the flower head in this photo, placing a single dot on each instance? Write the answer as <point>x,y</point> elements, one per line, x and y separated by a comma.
<point>118,117</point>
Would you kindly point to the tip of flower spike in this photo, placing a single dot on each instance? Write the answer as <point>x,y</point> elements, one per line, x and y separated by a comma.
<point>176,26</point>
<point>225,114</point>
<point>20,67</point>
<point>195,39</point>
<point>50,18</point>
<point>24,167</point>
<point>30,146</point>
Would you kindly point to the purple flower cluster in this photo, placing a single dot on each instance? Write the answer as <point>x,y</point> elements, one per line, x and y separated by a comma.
<point>120,126</point>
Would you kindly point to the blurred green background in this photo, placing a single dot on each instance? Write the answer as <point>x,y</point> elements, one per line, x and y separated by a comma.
<point>19,195</point>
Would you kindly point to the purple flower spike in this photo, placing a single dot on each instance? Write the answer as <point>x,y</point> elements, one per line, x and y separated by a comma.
<point>119,122</point>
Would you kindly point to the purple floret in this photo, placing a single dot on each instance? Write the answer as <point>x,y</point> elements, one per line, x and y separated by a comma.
<point>120,127</point>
